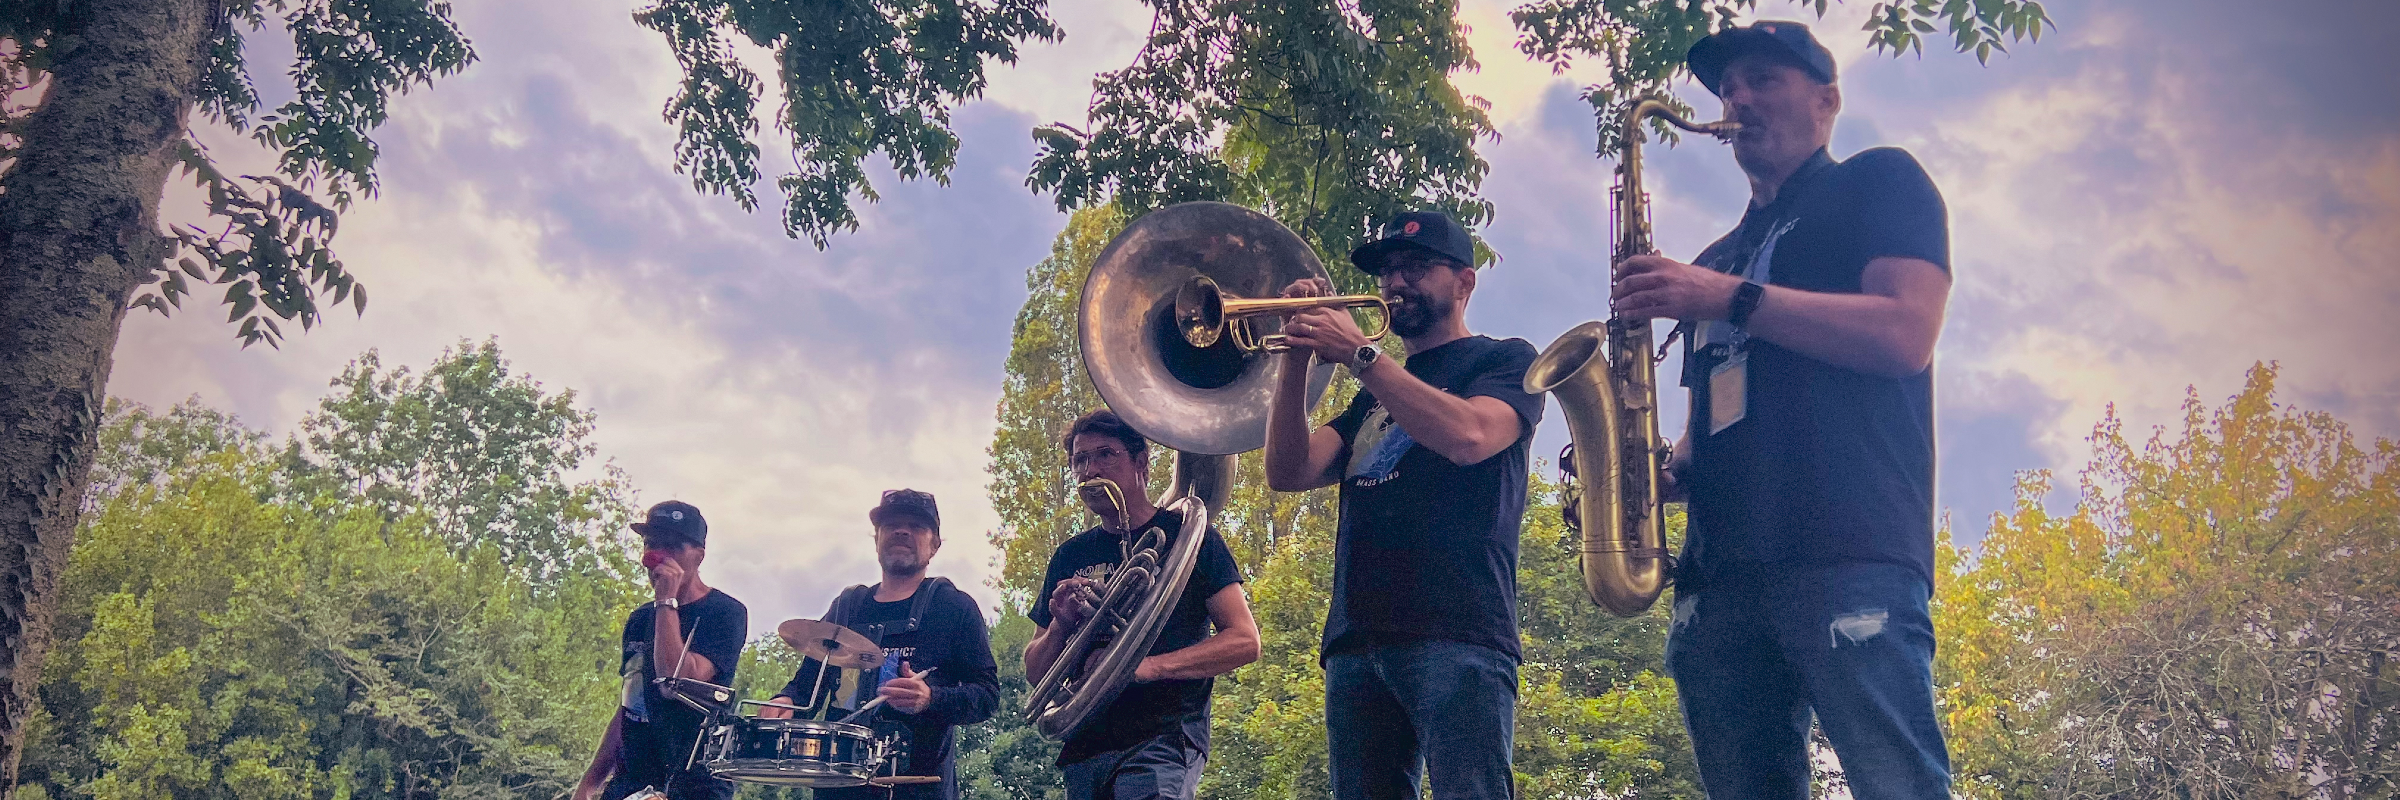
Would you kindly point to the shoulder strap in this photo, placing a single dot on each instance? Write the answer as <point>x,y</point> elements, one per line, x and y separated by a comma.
<point>925,594</point>
<point>845,606</point>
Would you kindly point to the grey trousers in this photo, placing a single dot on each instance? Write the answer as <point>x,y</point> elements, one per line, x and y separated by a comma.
<point>1162,767</point>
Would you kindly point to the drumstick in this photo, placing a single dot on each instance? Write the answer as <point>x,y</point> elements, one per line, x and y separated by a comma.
<point>784,706</point>
<point>871,704</point>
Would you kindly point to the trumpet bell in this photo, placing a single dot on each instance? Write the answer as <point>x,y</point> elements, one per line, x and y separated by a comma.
<point>1200,311</point>
<point>1202,400</point>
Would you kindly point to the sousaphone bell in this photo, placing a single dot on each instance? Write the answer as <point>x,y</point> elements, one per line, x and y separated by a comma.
<point>1205,397</point>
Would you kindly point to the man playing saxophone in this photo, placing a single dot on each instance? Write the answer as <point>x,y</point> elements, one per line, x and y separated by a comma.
<point>1151,742</point>
<point>1420,649</point>
<point>1809,460</point>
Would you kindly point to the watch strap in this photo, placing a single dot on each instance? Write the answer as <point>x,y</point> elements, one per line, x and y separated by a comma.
<point>1745,301</point>
<point>1365,356</point>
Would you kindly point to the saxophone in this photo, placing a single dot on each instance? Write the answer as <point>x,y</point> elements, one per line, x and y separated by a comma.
<point>1606,379</point>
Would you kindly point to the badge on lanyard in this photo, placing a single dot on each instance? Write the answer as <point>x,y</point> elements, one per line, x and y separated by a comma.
<point>1729,391</point>
<point>1729,380</point>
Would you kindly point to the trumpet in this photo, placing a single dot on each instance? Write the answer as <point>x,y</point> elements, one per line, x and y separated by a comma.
<point>1205,313</point>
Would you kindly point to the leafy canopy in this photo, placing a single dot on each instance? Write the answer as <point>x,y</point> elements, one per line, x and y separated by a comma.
<point>1642,42</point>
<point>2213,619</point>
<point>1329,116</point>
<point>268,240</point>
<point>857,79</point>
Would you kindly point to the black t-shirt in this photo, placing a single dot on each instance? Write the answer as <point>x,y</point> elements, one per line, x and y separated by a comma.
<point>1143,710</point>
<point>879,621</point>
<point>1828,464</point>
<point>1428,548</point>
<point>659,731</point>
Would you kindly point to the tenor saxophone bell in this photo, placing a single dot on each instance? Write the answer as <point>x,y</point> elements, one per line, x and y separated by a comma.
<point>1606,379</point>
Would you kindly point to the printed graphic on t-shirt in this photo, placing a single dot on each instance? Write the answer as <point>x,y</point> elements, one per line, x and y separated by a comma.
<point>891,664</point>
<point>1375,456</point>
<point>1097,573</point>
<point>636,708</point>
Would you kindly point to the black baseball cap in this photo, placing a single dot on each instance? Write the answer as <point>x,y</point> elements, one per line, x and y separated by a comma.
<point>1788,41</point>
<point>674,519</point>
<point>908,501</point>
<point>1431,231</point>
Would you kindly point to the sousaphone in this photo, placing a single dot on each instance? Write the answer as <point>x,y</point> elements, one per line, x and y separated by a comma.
<point>1207,403</point>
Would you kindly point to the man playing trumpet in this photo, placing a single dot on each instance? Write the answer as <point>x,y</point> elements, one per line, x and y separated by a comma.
<point>1420,648</point>
<point>1152,741</point>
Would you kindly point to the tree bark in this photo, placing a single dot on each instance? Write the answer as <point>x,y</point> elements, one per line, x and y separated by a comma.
<point>79,233</point>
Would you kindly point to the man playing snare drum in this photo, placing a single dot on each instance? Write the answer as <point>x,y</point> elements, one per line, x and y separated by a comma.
<point>920,623</point>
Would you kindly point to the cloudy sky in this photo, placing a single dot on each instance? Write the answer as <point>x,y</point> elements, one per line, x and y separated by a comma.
<point>2156,196</point>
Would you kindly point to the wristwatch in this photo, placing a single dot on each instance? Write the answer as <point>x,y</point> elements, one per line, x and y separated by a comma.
<point>1745,300</point>
<point>671,602</point>
<point>1364,357</point>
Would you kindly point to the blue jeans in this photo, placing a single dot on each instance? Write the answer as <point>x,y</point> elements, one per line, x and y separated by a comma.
<point>1753,656</point>
<point>1393,710</point>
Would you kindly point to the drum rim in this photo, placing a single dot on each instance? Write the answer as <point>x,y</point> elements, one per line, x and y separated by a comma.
<point>767,723</point>
<point>746,770</point>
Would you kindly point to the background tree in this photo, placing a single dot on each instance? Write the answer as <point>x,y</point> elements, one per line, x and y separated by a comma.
<point>1329,116</point>
<point>97,113</point>
<point>234,623</point>
<point>486,454</point>
<point>2214,619</point>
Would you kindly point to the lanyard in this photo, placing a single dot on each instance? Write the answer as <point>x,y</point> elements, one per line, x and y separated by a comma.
<point>1753,254</point>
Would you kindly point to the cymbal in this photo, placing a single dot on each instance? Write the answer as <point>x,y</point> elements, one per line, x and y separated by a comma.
<point>902,780</point>
<point>835,645</point>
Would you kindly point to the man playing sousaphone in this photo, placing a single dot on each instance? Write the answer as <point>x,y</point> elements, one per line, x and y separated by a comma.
<point>923,625</point>
<point>1420,649</point>
<point>1809,461</point>
<point>1152,740</point>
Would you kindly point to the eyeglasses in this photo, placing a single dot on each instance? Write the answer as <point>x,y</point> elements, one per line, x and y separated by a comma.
<point>1093,457</point>
<point>1408,269</point>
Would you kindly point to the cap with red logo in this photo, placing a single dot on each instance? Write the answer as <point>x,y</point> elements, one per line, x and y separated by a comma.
<point>1429,231</point>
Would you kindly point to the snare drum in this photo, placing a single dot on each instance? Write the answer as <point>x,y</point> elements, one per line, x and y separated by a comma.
<point>794,752</point>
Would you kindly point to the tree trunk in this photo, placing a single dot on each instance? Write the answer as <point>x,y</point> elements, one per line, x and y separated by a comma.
<point>78,234</point>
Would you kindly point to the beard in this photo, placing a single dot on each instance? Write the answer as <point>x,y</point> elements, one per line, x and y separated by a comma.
<point>902,561</point>
<point>1417,313</point>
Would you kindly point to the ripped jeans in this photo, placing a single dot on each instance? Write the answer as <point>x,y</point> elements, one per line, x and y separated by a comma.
<point>1752,657</point>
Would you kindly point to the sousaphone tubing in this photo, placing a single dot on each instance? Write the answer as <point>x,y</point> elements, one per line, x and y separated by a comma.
<point>1205,403</point>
